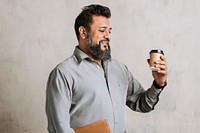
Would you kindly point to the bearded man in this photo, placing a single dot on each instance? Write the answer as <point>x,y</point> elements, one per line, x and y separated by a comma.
<point>90,86</point>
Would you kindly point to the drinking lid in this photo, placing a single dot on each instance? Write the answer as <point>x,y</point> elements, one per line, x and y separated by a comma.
<point>157,51</point>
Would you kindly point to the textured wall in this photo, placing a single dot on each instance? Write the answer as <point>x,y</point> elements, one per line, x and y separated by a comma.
<point>35,35</point>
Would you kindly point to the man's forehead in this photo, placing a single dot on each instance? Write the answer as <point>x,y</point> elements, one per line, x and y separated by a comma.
<point>101,22</point>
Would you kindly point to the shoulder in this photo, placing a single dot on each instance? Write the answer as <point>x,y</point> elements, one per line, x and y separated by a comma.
<point>65,66</point>
<point>68,63</point>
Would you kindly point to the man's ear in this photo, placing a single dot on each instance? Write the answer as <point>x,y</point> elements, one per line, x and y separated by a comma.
<point>82,32</point>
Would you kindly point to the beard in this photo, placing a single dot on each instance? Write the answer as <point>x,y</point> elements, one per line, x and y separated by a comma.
<point>96,51</point>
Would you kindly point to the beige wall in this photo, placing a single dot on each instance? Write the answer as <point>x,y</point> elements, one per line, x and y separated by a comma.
<point>35,35</point>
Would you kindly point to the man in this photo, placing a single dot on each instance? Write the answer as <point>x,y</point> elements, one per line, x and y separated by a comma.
<point>89,86</point>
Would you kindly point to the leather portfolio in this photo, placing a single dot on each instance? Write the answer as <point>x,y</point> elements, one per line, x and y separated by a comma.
<point>96,127</point>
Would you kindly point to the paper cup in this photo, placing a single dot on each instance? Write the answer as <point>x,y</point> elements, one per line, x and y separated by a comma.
<point>155,55</point>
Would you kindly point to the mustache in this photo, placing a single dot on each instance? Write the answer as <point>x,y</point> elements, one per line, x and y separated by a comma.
<point>105,41</point>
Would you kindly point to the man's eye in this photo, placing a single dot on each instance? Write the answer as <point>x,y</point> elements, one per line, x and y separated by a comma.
<point>101,30</point>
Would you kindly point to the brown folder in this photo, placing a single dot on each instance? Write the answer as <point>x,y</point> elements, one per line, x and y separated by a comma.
<point>96,127</point>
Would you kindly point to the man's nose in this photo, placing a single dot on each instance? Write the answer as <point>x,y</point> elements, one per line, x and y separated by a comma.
<point>107,35</point>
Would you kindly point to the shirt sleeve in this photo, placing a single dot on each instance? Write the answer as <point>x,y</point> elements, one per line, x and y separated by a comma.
<point>58,102</point>
<point>139,99</point>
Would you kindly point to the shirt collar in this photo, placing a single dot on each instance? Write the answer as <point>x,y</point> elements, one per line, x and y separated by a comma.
<point>80,55</point>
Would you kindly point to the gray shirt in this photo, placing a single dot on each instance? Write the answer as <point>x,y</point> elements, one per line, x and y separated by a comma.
<point>80,92</point>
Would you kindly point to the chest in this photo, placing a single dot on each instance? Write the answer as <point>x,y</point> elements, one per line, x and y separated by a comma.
<point>94,82</point>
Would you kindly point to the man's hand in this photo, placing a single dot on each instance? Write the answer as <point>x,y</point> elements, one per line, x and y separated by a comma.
<point>160,76</point>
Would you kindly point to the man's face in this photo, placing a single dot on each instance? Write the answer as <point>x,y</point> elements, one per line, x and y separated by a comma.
<point>99,38</point>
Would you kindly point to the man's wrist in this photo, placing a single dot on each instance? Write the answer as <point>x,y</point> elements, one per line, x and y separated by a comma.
<point>158,86</point>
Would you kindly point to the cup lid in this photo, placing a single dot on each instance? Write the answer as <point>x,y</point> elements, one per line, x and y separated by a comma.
<point>157,51</point>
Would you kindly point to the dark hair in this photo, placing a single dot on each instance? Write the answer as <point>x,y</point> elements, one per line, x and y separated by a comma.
<point>85,17</point>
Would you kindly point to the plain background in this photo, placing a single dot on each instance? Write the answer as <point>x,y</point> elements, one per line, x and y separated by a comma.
<point>36,35</point>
